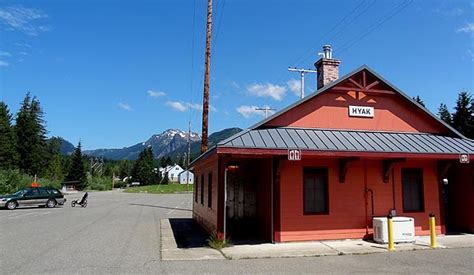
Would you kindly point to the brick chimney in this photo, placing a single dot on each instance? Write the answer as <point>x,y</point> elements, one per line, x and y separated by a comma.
<point>327,67</point>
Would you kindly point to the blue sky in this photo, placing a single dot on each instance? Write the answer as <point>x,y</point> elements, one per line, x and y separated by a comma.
<point>112,73</point>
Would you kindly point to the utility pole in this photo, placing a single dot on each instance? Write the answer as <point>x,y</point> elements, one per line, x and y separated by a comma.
<point>302,72</point>
<point>188,156</point>
<point>205,104</point>
<point>265,109</point>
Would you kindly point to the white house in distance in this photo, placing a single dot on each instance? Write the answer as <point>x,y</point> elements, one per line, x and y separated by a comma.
<point>186,177</point>
<point>173,172</point>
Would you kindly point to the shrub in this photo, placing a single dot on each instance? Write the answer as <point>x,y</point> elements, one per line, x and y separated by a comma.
<point>120,184</point>
<point>99,184</point>
<point>12,180</point>
<point>216,243</point>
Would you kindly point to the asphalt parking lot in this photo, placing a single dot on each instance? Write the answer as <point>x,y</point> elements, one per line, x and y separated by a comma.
<point>120,233</point>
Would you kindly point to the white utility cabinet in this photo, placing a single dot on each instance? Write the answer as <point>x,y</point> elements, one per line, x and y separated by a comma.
<point>403,229</point>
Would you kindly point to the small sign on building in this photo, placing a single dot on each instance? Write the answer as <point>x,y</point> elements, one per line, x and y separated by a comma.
<point>464,158</point>
<point>361,111</point>
<point>294,154</point>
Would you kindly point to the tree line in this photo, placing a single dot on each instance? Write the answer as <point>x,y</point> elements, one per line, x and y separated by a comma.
<point>26,152</point>
<point>462,118</point>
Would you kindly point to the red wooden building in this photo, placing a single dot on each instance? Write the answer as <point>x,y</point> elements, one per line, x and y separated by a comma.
<point>322,168</point>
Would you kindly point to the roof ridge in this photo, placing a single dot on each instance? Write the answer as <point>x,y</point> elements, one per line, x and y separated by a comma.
<point>354,130</point>
<point>347,76</point>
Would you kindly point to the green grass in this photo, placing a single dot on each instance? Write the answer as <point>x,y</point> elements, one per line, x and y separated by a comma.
<point>160,189</point>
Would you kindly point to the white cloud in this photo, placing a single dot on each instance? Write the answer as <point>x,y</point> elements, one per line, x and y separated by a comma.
<point>156,93</point>
<point>23,19</point>
<point>470,54</point>
<point>468,28</point>
<point>23,45</point>
<point>234,85</point>
<point>3,53</point>
<point>176,105</point>
<point>276,92</point>
<point>4,64</point>
<point>449,12</point>
<point>250,111</point>
<point>185,106</point>
<point>295,86</point>
<point>124,106</point>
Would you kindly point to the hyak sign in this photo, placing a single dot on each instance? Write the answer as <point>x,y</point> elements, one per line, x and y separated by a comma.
<point>361,111</point>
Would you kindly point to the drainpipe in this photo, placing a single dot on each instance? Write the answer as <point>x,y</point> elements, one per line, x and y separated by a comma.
<point>272,203</point>
<point>366,202</point>
<point>225,204</point>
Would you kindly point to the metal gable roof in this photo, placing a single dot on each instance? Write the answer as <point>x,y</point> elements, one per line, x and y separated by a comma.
<point>349,141</point>
<point>346,77</point>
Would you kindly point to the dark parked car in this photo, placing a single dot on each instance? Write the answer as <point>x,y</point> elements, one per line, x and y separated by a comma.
<point>38,196</point>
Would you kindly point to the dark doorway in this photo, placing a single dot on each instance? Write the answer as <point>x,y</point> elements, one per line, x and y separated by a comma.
<point>249,202</point>
<point>458,196</point>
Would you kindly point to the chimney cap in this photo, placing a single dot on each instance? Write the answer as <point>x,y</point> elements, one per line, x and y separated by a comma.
<point>327,51</point>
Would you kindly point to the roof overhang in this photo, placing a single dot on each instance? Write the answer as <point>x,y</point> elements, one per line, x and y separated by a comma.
<point>248,152</point>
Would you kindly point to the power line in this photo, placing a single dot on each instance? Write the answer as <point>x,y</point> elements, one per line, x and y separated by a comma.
<point>310,50</point>
<point>375,26</point>
<point>317,44</point>
<point>221,14</point>
<point>191,84</point>
<point>350,22</point>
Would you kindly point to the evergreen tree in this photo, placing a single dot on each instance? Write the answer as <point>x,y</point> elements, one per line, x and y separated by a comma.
<point>143,169</point>
<point>463,119</point>
<point>55,169</point>
<point>168,161</point>
<point>444,115</point>
<point>165,180</point>
<point>125,169</point>
<point>77,171</point>
<point>31,137</point>
<point>162,162</point>
<point>419,100</point>
<point>8,153</point>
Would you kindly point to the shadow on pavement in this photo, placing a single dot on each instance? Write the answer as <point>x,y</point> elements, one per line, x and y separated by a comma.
<point>187,233</point>
<point>162,207</point>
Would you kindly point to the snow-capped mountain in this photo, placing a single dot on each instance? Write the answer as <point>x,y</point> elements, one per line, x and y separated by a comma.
<point>162,144</point>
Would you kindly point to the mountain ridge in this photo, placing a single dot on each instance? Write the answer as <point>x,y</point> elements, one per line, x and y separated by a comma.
<point>171,142</point>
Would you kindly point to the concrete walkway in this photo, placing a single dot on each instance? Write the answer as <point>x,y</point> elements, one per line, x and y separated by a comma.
<point>171,251</point>
<point>340,247</point>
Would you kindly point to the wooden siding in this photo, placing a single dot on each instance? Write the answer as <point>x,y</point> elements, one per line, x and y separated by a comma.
<point>347,208</point>
<point>205,216</point>
<point>326,111</point>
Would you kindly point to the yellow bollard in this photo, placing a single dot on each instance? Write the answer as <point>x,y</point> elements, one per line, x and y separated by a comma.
<point>391,246</point>
<point>432,230</point>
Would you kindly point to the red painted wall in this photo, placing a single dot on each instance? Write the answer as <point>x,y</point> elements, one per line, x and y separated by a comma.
<point>205,216</point>
<point>346,218</point>
<point>392,113</point>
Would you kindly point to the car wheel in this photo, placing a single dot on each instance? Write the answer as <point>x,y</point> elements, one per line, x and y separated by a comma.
<point>51,203</point>
<point>11,205</point>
